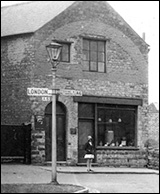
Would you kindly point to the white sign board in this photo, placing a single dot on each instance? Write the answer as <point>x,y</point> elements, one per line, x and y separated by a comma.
<point>70,92</point>
<point>46,98</point>
<point>48,92</point>
<point>39,92</point>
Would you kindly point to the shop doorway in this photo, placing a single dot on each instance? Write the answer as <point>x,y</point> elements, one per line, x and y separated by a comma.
<point>85,129</point>
<point>61,131</point>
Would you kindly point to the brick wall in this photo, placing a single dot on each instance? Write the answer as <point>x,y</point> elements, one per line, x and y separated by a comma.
<point>16,62</point>
<point>24,64</point>
<point>126,72</point>
<point>124,60</point>
<point>122,158</point>
<point>152,142</point>
<point>153,158</point>
<point>153,118</point>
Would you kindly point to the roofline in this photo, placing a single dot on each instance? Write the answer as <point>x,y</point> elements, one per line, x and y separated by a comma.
<point>19,4</point>
<point>132,29</point>
<point>23,33</point>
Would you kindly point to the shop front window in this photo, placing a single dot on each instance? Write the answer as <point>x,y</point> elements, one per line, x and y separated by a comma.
<point>116,127</point>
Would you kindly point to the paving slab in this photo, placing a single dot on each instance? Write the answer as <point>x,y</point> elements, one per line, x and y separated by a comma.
<point>103,170</point>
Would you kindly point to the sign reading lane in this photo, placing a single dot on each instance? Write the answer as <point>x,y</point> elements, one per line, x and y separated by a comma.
<point>39,92</point>
<point>70,92</point>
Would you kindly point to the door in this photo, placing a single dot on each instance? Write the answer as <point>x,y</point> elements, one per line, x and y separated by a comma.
<point>61,138</point>
<point>85,128</point>
<point>60,131</point>
<point>48,136</point>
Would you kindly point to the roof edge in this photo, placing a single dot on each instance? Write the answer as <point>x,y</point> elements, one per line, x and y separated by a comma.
<point>11,35</point>
<point>126,23</point>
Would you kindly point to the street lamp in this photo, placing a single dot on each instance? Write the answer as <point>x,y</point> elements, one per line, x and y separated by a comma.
<point>54,50</point>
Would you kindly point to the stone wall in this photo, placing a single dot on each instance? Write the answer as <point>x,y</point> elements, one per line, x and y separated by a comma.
<point>153,158</point>
<point>153,122</point>
<point>38,146</point>
<point>122,158</point>
<point>16,73</point>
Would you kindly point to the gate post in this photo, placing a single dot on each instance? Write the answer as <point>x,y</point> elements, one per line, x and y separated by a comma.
<point>27,143</point>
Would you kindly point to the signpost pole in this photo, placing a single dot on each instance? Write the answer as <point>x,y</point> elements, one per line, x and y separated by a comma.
<point>54,149</point>
<point>54,50</point>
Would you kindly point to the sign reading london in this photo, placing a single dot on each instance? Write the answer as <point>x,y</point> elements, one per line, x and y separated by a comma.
<point>39,92</point>
<point>47,92</point>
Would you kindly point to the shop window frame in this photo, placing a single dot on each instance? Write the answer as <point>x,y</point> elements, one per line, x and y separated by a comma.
<point>133,107</point>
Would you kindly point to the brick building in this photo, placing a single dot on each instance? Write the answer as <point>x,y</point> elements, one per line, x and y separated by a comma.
<point>102,56</point>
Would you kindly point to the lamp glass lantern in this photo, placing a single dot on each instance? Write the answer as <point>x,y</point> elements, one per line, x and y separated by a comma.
<point>54,50</point>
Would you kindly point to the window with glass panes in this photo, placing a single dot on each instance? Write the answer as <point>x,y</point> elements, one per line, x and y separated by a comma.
<point>94,55</point>
<point>115,125</point>
<point>65,53</point>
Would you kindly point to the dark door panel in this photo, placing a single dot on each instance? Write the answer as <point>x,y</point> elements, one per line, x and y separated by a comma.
<point>61,138</point>
<point>48,136</point>
<point>60,131</point>
<point>85,128</point>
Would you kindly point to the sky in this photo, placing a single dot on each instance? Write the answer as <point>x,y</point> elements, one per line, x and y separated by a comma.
<point>142,16</point>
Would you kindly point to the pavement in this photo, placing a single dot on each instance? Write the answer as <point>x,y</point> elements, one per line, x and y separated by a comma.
<point>25,174</point>
<point>103,170</point>
<point>17,173</point>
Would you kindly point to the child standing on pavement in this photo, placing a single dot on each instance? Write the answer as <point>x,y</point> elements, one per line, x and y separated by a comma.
<point>89,148</point>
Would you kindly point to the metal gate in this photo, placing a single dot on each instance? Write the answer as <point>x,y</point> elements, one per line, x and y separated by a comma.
<point>16,143</point>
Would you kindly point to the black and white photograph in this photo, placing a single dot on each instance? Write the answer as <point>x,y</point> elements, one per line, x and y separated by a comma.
<point>79,96</point>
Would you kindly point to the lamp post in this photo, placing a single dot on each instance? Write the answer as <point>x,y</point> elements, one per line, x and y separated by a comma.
<point>54,50</point>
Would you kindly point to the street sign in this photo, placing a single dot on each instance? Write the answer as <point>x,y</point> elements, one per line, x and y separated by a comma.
<point>46,98</point>
<point>44,92</point>
<point>70,92</point>
<point>39,92</point>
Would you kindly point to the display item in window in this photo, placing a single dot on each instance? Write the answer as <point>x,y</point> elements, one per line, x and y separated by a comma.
<point>109,137</point>
<point>101,143</point>
<point>123,142</point>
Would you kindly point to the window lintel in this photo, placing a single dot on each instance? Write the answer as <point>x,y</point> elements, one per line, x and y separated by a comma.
<point>109,100</point>
<point>95,37</point>
<point>63,41</point>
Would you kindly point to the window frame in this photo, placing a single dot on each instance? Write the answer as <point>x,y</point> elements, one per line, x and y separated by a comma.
<point>69,51</point>
<point>97,51</point>
<point>116,108</point>
<point>121,107</point>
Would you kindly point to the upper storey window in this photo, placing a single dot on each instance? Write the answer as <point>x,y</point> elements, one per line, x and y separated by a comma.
<point>94,55</point>
<point>65,53</point>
